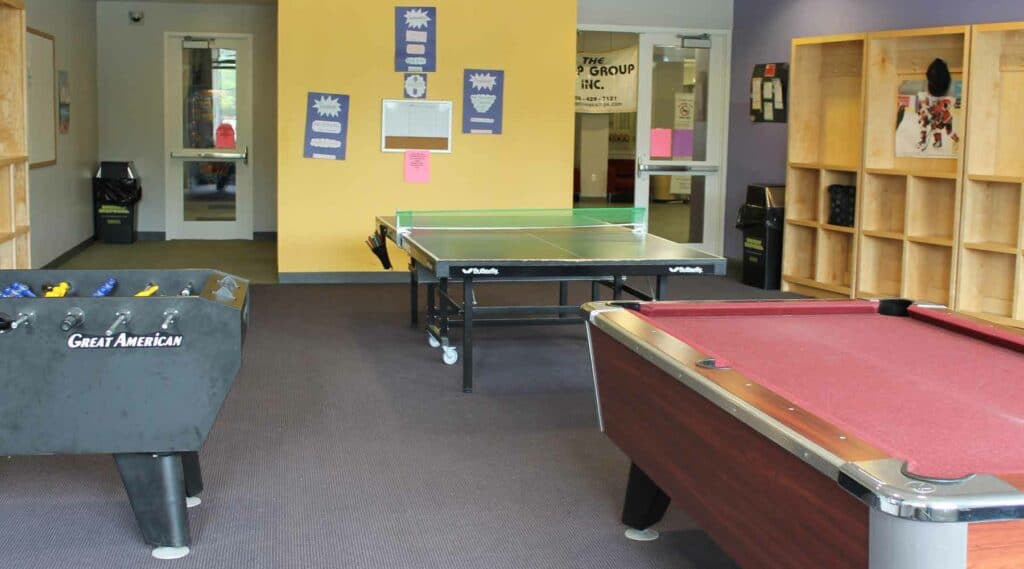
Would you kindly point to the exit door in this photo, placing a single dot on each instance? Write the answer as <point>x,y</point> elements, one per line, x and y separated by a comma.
<point>208,136</point>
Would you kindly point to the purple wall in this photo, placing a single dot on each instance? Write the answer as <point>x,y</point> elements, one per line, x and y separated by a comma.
<point>762,30</point>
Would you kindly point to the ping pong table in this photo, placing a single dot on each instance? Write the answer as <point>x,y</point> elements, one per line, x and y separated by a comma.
<point>600,245</point>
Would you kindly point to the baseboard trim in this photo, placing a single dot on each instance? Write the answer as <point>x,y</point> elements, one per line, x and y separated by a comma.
<point>377,277</point>
<point>64,257</point>
<point>162,236</point>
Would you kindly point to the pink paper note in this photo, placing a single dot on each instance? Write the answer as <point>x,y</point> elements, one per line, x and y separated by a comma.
<point>661,143</point>
<point>682,143</point>
<point>417,166</point>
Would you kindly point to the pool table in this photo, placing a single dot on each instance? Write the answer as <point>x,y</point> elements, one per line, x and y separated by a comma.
<point>810,433</point>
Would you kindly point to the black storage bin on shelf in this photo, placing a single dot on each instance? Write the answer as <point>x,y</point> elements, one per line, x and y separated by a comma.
<point>761,219</point>
<point>116,192</point>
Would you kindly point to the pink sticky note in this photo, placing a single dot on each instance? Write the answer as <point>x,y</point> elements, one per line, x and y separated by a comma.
<point>417,166</point>
<point>682,143</point>
<point>661,143</point>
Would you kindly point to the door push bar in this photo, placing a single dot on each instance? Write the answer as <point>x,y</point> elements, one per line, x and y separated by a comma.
<point>243,156</point>
<point>647,168</point>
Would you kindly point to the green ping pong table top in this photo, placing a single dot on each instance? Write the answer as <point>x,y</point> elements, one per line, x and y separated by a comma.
<point>542,243</point>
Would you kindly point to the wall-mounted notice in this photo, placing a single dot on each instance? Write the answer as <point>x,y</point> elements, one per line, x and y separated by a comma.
<point>417,166</point>
<point>415,86</point>
<point>483,101</point>
<point>769,85</point>
<point>408,124</point>
<point>415,39</point>
<point>326,126</point>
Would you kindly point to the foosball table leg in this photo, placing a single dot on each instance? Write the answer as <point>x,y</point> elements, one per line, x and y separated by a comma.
<point>193,478</point>
<point>156,488</point>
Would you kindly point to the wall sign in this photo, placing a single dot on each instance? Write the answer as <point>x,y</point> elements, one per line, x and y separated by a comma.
<point>606,82</point>
<point>483,94</point>
<point>326,126</point>
<point>415,38</point>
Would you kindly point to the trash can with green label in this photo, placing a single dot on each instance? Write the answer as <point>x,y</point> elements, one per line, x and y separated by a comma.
<point>116,192</point>
<point>761,219</point>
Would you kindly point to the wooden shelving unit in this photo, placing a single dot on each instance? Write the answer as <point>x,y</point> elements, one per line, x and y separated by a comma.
<point>990,281</point>
<point>14,202</point>
<point>825,126</point>
<point>910,207</point>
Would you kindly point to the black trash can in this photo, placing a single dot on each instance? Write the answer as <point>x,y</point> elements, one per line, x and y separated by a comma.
<point>116,192</point>
<point>761,219</point>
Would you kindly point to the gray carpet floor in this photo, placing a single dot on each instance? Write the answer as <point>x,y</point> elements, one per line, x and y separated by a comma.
<point>347,443</point>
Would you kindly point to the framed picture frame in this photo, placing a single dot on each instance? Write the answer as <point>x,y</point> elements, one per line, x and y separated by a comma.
<point>42,98</point>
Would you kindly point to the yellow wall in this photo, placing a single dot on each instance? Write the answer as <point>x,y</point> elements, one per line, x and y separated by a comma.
<point>326,208</point>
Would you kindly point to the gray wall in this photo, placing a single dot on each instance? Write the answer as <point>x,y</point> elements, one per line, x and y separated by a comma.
<point>131,93</point>
<point>762,31</point>
<point>60,195</point>
<point>713,14</point>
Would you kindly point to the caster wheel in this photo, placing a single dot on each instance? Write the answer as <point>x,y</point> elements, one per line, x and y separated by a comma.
<point>434,342</point>
<point>450,356</point>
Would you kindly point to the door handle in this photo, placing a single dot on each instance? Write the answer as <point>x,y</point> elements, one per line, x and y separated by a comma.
<point>243,155</point>
<point>646,168</point>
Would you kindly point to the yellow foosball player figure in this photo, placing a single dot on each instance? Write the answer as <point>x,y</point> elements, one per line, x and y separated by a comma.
<point>59,290</point>
<point>150,290</point>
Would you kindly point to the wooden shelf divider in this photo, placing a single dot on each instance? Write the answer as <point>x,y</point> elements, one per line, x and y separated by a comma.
<point>989,275</point>
<point>15,234</point>
<point>825,146</point>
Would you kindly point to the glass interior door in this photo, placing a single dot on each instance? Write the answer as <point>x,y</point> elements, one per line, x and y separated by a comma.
<point>208,182</point>
<point>681,130</point>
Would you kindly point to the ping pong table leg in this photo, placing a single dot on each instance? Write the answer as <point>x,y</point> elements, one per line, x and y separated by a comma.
<point>414,289</point>
<point>563,296</point>
<point>467,335</point>
<point>617,288</point>
<point>662,287</point>
<point>595,293</point>
<point>431,306</point>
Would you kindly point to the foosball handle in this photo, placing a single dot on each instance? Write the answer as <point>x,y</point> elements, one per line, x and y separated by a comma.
<point>74,318</point>
<point>122,319</point>
<point>170,319</point>
<point>23,320</point>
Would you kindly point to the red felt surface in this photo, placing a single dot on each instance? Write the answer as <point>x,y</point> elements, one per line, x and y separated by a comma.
<point>947,402</point>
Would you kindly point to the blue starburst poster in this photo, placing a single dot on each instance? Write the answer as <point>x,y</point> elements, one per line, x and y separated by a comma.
<point>415,39</point>
<point>483,101</point>
<point>326,126</point>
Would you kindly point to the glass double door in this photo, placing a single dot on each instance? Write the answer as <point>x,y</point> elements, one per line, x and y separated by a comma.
<point>208,130</point>
<point>682,114</point>
<point>669,154</point>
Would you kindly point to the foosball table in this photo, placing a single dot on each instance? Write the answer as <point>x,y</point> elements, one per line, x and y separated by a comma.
<point>136,364</point>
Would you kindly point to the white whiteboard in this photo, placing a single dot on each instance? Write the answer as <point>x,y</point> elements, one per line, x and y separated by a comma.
<point>42,100</point>
<point>411,124</point>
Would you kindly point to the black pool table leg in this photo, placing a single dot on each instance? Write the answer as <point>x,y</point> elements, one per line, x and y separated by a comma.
<point>645,505</point>
<point>156,489</point>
